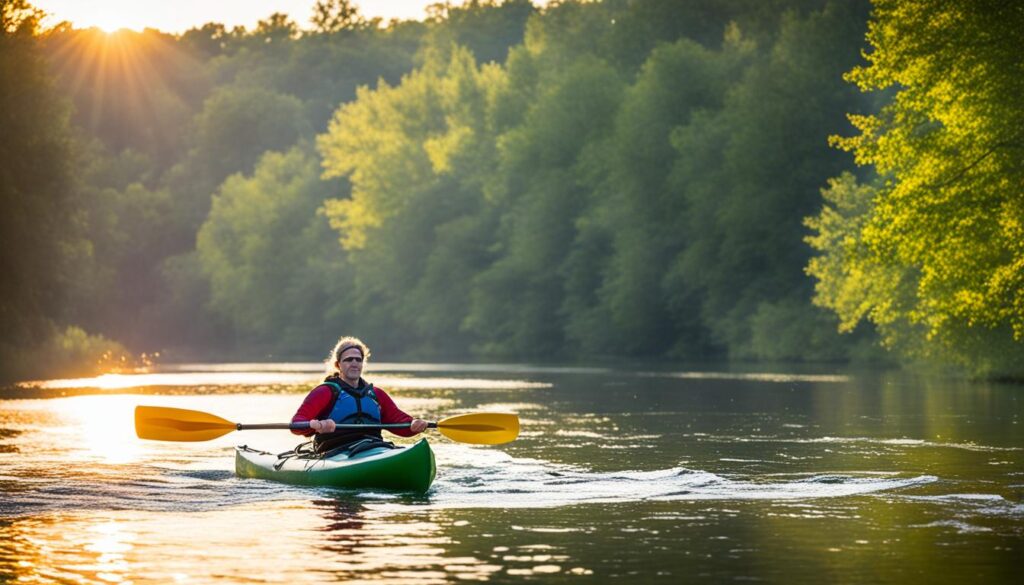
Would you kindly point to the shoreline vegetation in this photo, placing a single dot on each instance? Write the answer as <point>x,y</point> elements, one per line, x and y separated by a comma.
<point>738,181</point>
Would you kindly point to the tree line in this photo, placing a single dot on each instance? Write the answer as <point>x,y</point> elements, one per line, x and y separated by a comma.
<point>638,178</point>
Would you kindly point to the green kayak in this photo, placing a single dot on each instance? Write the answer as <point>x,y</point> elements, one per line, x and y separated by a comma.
<point>407,469</point>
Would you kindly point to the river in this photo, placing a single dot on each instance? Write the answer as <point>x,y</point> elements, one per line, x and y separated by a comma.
<point>669,475</point>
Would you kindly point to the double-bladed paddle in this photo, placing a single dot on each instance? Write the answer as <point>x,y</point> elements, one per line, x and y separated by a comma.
<point>160,423</point>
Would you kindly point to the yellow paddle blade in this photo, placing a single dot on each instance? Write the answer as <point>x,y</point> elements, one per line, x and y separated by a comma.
<point>481,428</point>
<point>160,423</point>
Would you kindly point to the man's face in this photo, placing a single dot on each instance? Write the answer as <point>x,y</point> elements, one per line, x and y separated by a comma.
<point>350,364</point>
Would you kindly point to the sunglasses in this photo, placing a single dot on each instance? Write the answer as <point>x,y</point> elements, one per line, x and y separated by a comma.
<point>352,359</point>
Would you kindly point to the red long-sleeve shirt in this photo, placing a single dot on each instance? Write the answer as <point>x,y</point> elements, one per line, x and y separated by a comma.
<point>318,399</point>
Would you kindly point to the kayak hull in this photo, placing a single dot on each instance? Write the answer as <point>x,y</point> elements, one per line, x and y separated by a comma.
<point>406,469</point>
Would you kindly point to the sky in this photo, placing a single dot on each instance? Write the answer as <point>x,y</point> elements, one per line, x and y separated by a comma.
<point>176,16</point>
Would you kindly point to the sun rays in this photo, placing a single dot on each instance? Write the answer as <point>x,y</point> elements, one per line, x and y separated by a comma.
<point>124,84</point>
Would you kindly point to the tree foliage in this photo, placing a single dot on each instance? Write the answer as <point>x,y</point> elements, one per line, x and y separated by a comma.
<point>505,180</point>
<point>331,16</point>
<point>416,155</point>
<point>655,208</point>
<point>269,256</point>
<point>38,230</point>
<point>931,251</point>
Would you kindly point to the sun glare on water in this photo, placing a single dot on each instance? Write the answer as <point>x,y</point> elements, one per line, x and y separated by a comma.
<point>100,428</point>
<point>248,379</point>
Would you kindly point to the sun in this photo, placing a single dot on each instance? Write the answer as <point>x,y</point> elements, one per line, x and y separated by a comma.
<point>109,16</point>
<point>113,23</point>
<point>114,19</point>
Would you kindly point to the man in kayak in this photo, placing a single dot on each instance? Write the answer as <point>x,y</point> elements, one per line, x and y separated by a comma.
<point>345,397</point>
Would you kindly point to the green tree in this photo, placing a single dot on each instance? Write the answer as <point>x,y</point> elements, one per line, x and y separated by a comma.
<point>415,154</point>
<point>37,186</point>
<point>516,302</point>
<point>207,41</point>
<point>331,16</point>
<point>132,230</point>
<point>233,130</point>
<point>276,28</point>
<point>324,71</point>
<point>238,124</point>
<point>270,257</point>
<point>635,211</point>
<point>749,172</point>
<point>932,252</point>
<point>487,28</point>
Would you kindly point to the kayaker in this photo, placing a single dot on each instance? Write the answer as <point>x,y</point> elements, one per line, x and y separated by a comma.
<point>345,397</point>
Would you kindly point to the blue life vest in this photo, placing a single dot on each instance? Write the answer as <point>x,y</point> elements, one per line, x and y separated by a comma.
<point>354,406</point>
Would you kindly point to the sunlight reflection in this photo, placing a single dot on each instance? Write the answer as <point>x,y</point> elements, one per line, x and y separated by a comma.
<point>211,378</point>
<point>457,383</point>
<point>511,407</point>
<point>755,377</point>
<point>375,366</point>
<point>99,427</point>
<point>392,375</point>
<point>122,381</point>
<point>335,540</point>
<point>111,542</point>
<point>374,544</point>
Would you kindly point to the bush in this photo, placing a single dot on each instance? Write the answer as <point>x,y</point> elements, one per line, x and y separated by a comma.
<point>71,353</point>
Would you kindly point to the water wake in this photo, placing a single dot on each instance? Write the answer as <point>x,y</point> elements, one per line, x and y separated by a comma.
<point>488,478</point>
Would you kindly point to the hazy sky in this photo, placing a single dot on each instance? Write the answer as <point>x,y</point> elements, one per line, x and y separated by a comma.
<point>179,15</point>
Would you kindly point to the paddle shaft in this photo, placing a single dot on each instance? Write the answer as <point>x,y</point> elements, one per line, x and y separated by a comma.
<point>162,423</point>
<point>302,426</point>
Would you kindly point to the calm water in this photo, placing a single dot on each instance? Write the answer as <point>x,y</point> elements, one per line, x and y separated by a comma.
<point>660,477</point>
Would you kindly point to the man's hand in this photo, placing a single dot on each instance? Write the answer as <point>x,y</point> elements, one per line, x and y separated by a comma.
<point>322,426</point>
<point>417,426</point>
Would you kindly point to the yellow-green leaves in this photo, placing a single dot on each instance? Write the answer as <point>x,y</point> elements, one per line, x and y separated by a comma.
<point>394,142</point>
<point>946,214</point>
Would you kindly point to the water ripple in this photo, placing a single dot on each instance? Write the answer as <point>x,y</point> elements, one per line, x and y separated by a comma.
<point>896,442</point>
